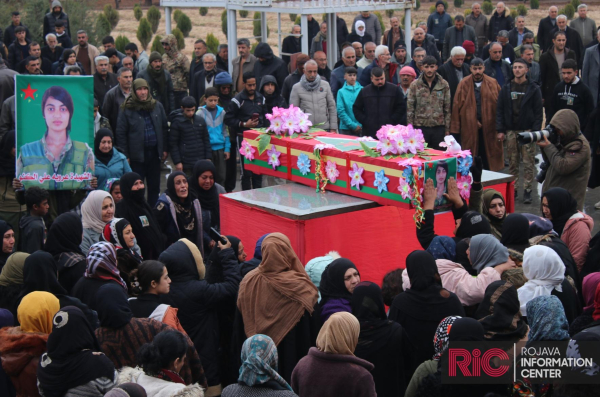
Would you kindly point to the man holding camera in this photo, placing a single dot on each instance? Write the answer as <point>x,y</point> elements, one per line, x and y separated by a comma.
<point>519,109</point>
<point>570,159</point>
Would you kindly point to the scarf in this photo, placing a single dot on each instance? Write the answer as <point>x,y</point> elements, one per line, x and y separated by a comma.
<point>562,207</point>
<point>544,271</point>
<point>91,210</point>
<point>12,272</point>
<point>4,227</point>
<point>332,284</point>
<point>7,160</point>
<point>36,311</point>
<point>488,196</point>
<point>359,32</point>
<point>462,258</point>
<point>441,339</point>
<point>339,334</point>
<point>499,313</point>
<point>487,251</point>
<point>547,320</point>
<point>40,274</point>
<point>184,210</point>
<point>275,296</point>
<point>515,232</point>
<point>102,157</point>
<point>259,362</point>
<point>112,306</point>
<point>209,74</point>
<point>589,287</point>
<point>102,263</point>
<point>113,233</point>
<point>65,235</point>
<point>209,199</point>
<point>442,247</point>
<point>310,86</point>
<point>133,102</point>
<point>70,360</point>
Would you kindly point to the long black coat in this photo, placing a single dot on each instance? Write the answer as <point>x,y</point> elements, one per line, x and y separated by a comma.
<point>543,37</point>
<point>499,22</point>
<point>198,87</point>
<point>549,73</point>
<point>448,73</point>
<point>377,106</point>
<point>574,43</point>
<point>273,65</point>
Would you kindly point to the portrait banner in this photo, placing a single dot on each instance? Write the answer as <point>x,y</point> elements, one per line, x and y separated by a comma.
<point>439,171</point>
<point>54,131</point>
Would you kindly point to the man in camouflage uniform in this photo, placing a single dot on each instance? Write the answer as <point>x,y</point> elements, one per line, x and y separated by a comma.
<point>178,65</point>
<point>428,104</point>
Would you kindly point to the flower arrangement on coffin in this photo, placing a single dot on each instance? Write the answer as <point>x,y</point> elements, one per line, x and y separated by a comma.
<point>398,141</point>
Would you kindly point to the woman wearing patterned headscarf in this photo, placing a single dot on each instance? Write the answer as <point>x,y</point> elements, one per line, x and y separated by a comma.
<point>258,373</point>
<point>120,234</point>
<point>547,320</point>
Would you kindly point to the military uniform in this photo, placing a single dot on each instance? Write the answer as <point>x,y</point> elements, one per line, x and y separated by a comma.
<point>179,66</point>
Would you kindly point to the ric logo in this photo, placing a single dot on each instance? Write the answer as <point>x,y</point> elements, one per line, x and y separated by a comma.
<point>473,363</point>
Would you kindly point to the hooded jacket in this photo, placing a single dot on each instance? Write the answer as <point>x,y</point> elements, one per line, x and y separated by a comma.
<point>575,96</point>
<point>270,65</point>
<point>188,139</point>
<point>274,99</point>
<point>319,103</point>
<point>570,162</point>
<point>51,18</point>
<point>197,300</point>
<point>32,234</point>
<point>176,63</point>
<point>577,236</point>
<point>500,22</point>
<point>346,97</point>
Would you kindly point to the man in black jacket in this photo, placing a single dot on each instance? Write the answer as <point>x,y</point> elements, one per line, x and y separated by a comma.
<point>268,89</point>
<point>269,64</point>
<point>455,70</point>
<point>143,136</point>
<point>545,27</point>
<point>114,98</point>
<point>378,104</point>
<point>240,116</point>
<point>519,109</point>
<point>515,35</point>
<point>205,78</point>
<point>159,81</point>
<point>313,28</point>
<point>188,137</point>
<point>19,49</point>
<point>103,79</point>
<point>56,14</point>
<point>574,42</point>
<point>36,51</point>
<point>9,32</point>
<point>572,93</point>
<point>295,77</point>
<point>52,51</point>
<point>291,44</point>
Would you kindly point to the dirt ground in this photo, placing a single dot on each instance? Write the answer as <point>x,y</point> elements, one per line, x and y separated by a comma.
<point>211,23</point>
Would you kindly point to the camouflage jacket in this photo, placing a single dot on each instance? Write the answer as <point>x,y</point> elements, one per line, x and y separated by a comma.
<point>429,108</point>
<point>176,63</point>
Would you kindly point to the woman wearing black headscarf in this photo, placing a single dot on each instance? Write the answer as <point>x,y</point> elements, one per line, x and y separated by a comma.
<point>178,200</point>
<point>136,210</point>
<point>10,209</point>
<point>8,242</point>
<point>119,233</point>
<point>110,163</point>
<point>63,243</point>
<point>336,287</point>
<point>74,363</point>
<point>121,336</point>
<point>421,308</point>
<point>203,185</point>
<point>382,342</point>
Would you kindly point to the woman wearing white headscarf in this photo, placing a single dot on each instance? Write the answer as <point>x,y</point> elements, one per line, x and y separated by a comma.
<point>545,272</point>
<point>97,210</point>
<point>360,34</point>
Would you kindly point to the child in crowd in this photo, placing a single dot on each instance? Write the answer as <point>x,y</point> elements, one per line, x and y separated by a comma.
<point>32,227</point>
<point>214,115</point>
<point>346,97</point>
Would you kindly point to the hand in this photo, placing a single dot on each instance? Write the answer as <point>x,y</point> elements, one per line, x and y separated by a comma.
<point>543,143</point>
<point>358,128</point>
<point>179,167</point>
<point>164,156</point>
<point>17,185</point>
<point>224,246</point>
<point>500,136</point>
<point>429,194</point>
<point>510,264</point>
<point>212,244</point>
<point>227,155</point>
<point>478,125</point>
<point>251,123</point>
<point>477,169</point>
<point>94,183</point>
<point>453,194</point>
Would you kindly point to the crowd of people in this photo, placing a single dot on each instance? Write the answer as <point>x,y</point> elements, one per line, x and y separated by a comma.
<point>125,290</point>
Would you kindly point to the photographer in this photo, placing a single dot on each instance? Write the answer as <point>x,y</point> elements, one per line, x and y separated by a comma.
<point>569,160</point>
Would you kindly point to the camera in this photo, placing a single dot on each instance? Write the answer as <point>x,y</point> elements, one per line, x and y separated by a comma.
<point>541,176</point>
<point>536,136</point>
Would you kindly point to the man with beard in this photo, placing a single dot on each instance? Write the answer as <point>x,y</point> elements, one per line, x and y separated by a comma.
<point>159,82</point>
<point>321,58</point>
<point>428,104</point>
<point>393,35</point>
<point>400,56</point>
<point>86,53</point>
<point>574,42</point>
<point>206,77</point>
<point>140,59</point>
<point>36,52</point>
<point>379,103</point>
<point>407,76</point>
<point>56,14</point>
<point>178,65</point>
<point>241,115</point>
<point>52,51</point>
<point>313,95</point>
<point>337,76</point>
<point>528,40</point>
<point>115,97</point>
<point>292,44</point>
<point>478,134</point>
<point>32,66</point>
<point>268,89</point>
<point>196,65</point>
<point>534,67</point>
<point>295,77</point>
<point>268,64</point>
<point>241,64</point>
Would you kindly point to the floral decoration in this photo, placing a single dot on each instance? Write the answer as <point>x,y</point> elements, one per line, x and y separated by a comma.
<point>464,186</point>
<point>405,189</point>
<point>399,139</point>
<point>464,164</point>
<point>274,154</point>
<point>288,121</point>
<point>331,171</point>
<point>408,174</point>
<point>356,176</point>
<point>247,150</point>
<point>303,163</point>
<point>381,181</point>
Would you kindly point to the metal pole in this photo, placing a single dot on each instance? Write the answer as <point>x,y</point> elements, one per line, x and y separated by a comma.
<point>279,33</point>
<point>407,30</point>
<point>333,43</point>
<point>263,27</point>
<point>168,20</point>
<point>304,30</point>
<point>231,36</point>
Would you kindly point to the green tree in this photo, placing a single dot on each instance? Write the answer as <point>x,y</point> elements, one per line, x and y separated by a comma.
<point>256,27</point>
<point>176,15</point>
<point>458,3</point>
<point>120,43</point>
<point>153,16</point>
<point>81,17</point>
<point>389,13</point>
<point>203,11</point>
<point>575,3</point>
<point>103,27</point>
<point>144,32</point>
<point>112,15</point>
<point>487,8</point>
<point>569,11</point>
<point>534,4</point>
<point>137,13</point>
<point>293,17</point>
<point>35,10</point>
<point>522,10</point>
<point>224,22</point>
<point>468,12</point>
<point>212,43</point>
<point>514,13</point>
<point>244,13</point>
<point>298,20</point>
<point>179,36</point>
<point>185,25</point>
<point>380,17</point>
<point>417,5</point>
<point>157,45</point>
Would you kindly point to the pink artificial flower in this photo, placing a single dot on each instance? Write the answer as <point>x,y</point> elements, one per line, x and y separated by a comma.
<point>356,176</point>
<point>289,124</point>
<point>382,133</point>
<point>409,162</point>
<point>276,124</point>
<point>321,146</point>
<point>386,146</point>
<point>304,124</point>
<point>464,186</point>
<point>463,153</point>
<point>274,154</point>
<point>332,171</point>
<point>247,150</point>
<point>276,112</point>
<point>411,143</point>
<point>405,189</point>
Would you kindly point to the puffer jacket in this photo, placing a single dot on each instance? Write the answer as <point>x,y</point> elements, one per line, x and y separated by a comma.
<point>116,167</point>
<point>577,236</point>
<point>158,387</point>
<point>20,354</point>
<point>176,63</point>
<point>470,290</point>
<point>198,301</point>
<point>188,139</point>
<point>429,108</point>
<point>270,65</point>
<point>346,97</point>
<point>319,103</point>
<point>217,132</point>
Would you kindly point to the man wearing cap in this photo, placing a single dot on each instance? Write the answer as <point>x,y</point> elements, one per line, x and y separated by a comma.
<point>337,75</point>
<point>407,76</point>
<point>393,34</point>
<point>159,82</point>
<point>478,134</point>
<point>295,77</point>
<point>455,70</point>
<point>400,56</point>
<point>479,23</point>
<point>469,47</point>
<point>456,35</point>
<point>437,23</point>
